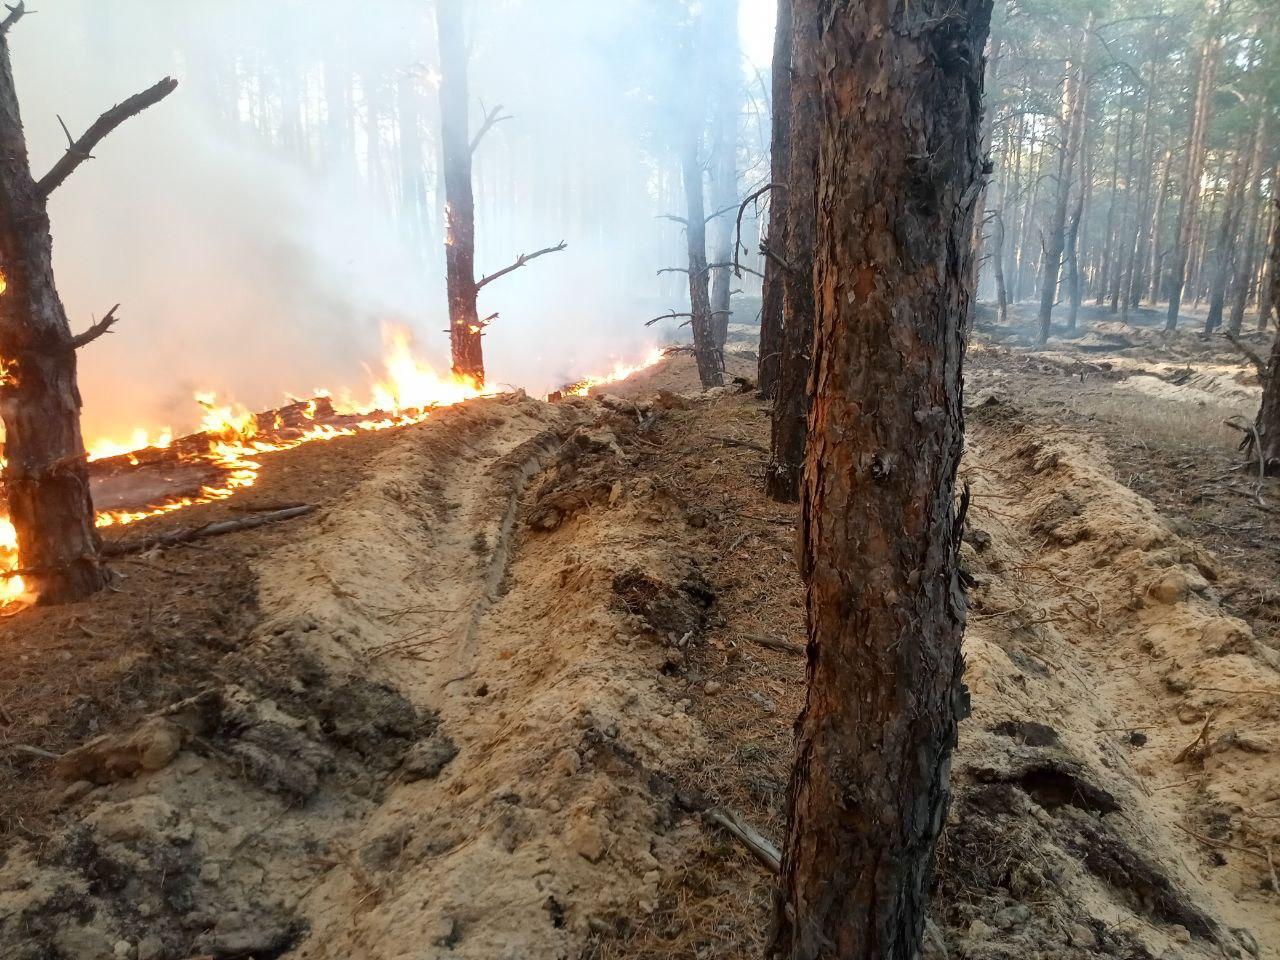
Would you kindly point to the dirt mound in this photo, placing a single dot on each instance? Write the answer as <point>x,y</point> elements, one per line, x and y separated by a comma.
<point>479,704</point>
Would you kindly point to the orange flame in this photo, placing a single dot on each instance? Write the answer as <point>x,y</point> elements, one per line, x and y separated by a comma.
<point>406,393</point>
<point>619,372</point>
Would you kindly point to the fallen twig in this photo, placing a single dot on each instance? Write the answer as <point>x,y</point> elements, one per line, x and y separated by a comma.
<point>175,537</point>
<point>772,643</point>
<point>756,843</point>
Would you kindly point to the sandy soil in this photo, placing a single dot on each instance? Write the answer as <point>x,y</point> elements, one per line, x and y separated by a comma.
<point>481,703</point>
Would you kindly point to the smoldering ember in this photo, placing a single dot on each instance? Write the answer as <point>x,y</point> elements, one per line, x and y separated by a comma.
<point>645,480</point>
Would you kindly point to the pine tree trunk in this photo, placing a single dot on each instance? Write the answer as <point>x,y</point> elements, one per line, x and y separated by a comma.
<point>707,353</point>
<point>1269,415</point>
<point>1055,238</point>
<point>1156,269</point>
<point>1135,252</point>
<point>771,316</point>
<point>1126,214</point>
<point>465,335</point>
<point>791,404</point>
<point>1224,252</point>
<point>1243,281</point>
<point>1267,300</point>
<point>1193,170</point>
<point>1109,230</point>
<point>899,178</point>
<point>46,475</point>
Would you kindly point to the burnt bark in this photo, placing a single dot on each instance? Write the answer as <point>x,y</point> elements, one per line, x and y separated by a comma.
<point>466,329</point>
<point>774,279</point>
<point>46,476</point>
<point>899,176</point>
<point>791,402</point>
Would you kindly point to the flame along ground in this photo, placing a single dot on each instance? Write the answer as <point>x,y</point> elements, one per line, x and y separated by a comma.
<point>406,394</point>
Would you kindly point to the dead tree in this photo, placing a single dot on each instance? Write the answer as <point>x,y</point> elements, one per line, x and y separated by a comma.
<point>791,399</point>
<point>466,330</point>
<point>46,476</point>
<point>900,172</point>
<point>771,311</point>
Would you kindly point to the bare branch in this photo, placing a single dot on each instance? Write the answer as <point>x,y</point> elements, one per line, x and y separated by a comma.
<point>673,218</point>
<point>737,243</point>
<point>721,213</point>
<point>488,320</point>
<point>673,270</point>
<point>668,316</point>
<point>523,259</point>
<point>81,150</point>
<point>101,327</point>
<point>738,268</point>
<point>491,119</point>
<point>16,12</point>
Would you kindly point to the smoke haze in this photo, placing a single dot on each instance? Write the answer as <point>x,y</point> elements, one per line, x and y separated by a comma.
<point>263,224</point>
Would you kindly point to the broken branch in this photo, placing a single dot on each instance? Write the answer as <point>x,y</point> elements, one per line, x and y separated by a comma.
<point>523,259</point>
<point>81,150</point>
<point>756,843</point>
<point>668,316</point>
<point>16,12</point>
<point>737,243</point>
<point>98,329</point>
<point>188,534</point>
<point>491,119</point>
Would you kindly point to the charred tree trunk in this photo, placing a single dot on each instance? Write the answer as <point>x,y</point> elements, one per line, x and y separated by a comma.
<point>705,349</point>
<point>1269,415</point>
<point>791,405</point>
<point>899,179</point>
<point>465,335</point>
<point>458,146</point>
<point>771,316</point>
<point>46,475</point>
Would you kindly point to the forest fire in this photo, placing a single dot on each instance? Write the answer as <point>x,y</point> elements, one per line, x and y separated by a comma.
<point>230,436</point>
